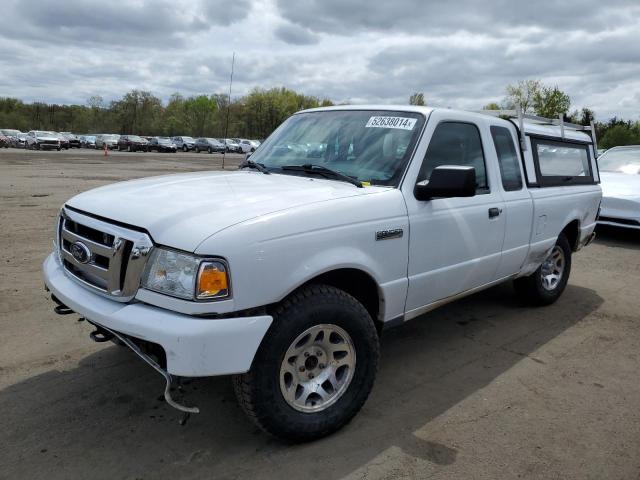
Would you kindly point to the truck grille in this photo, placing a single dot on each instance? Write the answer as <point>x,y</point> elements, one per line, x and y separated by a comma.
<point>103,256</point>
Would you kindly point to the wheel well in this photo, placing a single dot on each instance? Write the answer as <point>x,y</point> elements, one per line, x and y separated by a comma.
<point>356,283</point>
<point>572,232</point>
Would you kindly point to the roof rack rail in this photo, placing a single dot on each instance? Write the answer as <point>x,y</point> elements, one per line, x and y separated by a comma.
<point>521,117</point>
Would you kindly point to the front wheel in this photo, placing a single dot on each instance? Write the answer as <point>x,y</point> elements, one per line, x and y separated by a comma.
<point>185,149</point>
<point>315,367</point>
<point>546,284</point>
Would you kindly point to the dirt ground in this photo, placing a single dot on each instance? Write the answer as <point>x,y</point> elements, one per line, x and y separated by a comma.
<point>483,388</point>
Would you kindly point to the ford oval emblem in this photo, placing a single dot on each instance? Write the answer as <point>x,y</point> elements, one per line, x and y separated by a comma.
<point>80,252</point>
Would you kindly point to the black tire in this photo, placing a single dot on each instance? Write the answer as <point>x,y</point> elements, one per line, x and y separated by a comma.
<point>259,392</point>
<point>531,289</point>
<point>129,149</point>
<point>185,149</point>
<point>197,150</point>
<point>209,150</point>
<point>59,148</point>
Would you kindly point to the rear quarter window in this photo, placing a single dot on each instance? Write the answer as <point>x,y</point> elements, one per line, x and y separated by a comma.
<point>561,163</point>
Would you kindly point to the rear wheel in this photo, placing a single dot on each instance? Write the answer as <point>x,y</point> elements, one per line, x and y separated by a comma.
<point>546,284</point>
<point>185,148</point>
<point>315,367</point>
<point>209,150</point>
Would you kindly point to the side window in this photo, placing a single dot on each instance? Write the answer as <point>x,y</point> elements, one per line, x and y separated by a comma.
<point>507,158</point>
<point>562,163</point>
<point>455,143</point>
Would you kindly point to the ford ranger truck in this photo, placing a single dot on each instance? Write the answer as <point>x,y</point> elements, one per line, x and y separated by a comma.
<point>345,221</point>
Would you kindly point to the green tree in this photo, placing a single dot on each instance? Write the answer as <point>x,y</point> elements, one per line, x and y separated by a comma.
<point>491,106</point>
<point>417,99</point>
<point>523,94</point>
<point>550,102</point>
<point>620,134</point>
<point>198,113</point>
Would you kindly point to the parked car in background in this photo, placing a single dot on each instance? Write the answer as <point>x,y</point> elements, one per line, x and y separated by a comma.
<point>5,141</point>
<point>245,145</point>
<point>230,145</point>
<point>620,181</point>
<point>88,141</point>
<point>73,139</point>
<point>18,140</point>
<point>9,132</point>
<point>41,140</point>
<point>110,140</point>
<point>64,141</point>
<point>184,143</point>
<point>255,143</point>
<point>133,143</point>
<point>210,145</point>
<point>162,144</point>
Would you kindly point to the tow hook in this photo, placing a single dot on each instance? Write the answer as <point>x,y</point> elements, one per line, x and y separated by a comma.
<point>100,335</point>
<point>150,361</point>
<point>60,308</point>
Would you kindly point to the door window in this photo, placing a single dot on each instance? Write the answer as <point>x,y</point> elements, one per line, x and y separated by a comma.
<point>507,158</point>
<point>456,143</point>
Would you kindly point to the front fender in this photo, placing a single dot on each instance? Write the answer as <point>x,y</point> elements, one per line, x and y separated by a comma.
<point>271,256</point>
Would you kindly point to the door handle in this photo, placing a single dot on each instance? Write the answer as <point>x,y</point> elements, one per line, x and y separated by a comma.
<point>494,212</point>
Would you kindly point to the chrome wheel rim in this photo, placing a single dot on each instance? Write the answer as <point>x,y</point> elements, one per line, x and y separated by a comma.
<point>317,368</point>
<point>552,269</point>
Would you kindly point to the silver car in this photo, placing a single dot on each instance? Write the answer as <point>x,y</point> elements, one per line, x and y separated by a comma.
<point>110,140</point>
<point>42,140</point>
<point>184,143</point>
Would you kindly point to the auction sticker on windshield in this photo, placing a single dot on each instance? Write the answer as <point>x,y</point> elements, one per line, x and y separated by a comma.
<point>403,123</point>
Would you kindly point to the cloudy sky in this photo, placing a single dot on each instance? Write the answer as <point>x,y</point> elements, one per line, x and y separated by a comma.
<point>461,54</point>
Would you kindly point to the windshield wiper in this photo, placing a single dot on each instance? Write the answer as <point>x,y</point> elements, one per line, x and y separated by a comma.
<point>321,170</point>
<point>257,166</point>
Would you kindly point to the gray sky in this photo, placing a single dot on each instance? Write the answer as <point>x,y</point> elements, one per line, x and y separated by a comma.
<point>461,54</point>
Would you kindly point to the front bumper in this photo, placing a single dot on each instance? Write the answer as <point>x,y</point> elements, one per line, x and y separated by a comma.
<point>194,346</point>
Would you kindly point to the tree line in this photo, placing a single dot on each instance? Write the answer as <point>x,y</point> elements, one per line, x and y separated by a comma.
<point>139,112</point>
<point>258,113</point>
<point>534,97</point>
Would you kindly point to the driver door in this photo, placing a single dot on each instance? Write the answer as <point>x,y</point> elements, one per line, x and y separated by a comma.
<point>455,243</point>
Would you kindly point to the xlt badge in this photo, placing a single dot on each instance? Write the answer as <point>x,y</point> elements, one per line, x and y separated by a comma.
<point>389,234</point>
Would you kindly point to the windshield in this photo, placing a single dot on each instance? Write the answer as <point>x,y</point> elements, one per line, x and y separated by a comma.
<point>135,138</point>
<point>109,137</point>
<point>187,139</point>
<point>370,146</point>
<point>164,141</point>
<point>622,159</point>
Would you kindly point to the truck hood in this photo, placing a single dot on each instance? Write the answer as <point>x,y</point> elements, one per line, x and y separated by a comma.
<point>616,184</point>
<point>183,210</point>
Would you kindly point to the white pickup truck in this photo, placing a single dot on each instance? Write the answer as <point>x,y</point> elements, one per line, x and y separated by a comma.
<point>345,221</point>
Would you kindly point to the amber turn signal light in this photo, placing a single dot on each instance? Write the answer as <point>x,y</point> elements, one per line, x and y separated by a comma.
<point>213,281</point>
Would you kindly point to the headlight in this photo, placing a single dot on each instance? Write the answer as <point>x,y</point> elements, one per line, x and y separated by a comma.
<point>186,276</point>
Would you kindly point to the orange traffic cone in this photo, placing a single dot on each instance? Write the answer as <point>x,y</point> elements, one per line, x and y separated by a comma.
<point>106,150</point>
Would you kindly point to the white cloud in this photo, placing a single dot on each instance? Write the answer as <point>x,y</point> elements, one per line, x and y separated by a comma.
<point>460,54</point>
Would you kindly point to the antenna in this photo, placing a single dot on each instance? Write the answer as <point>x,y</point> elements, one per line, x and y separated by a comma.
<point>226,126</point>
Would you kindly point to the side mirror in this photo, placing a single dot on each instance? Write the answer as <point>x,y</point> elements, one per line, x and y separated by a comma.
<point>447,181</point>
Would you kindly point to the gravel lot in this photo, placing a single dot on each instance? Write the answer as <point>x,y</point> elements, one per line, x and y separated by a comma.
<point>483,388</point>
